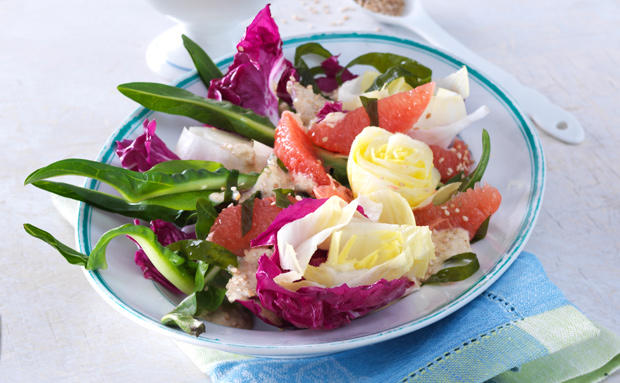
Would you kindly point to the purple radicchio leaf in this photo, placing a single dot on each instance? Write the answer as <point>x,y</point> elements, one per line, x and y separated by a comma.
<point>312,307</point>
<point>329,107</point>
<point>259,72</point>
<point>319,307</point>
<point>166,233</point>
<point>145,151</point>
<point>332,69</point>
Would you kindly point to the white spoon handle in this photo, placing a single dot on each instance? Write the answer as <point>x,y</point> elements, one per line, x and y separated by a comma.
<point>546,115</point>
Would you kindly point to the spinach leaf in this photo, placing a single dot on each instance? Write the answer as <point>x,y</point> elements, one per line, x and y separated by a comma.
<point>470,181</point>
<point>282,200</point>
<point>136,186</point>
<point>247,213</point>
<point>466,264</point>
<point>144,210</point>
<point>205,251</point>
<point>231,181</point>
<point>335,163</point>
<point>222,114</point>
<point>205,217</point>
<point>371,105</point>
<point>482,231</point>
<point>393,66</point>
<point>207,70</point>
<point>306,74</point>
<point>72,256</point>
<point>183,316</point>
<point>199,277</point>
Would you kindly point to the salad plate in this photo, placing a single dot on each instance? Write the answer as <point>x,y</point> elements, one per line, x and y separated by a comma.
<point>516,168</point>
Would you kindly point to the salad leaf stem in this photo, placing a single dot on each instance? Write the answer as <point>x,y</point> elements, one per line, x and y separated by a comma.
<point>144,210</point>
<point>207,70</point>
<point>222,114</point>
<point>482,231</point>
<point>465,265</point>
<point>205,217</point>
<point>475,176</point>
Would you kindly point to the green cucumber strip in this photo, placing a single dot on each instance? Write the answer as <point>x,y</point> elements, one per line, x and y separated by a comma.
<point>166,261</point>
<point>466,264</point>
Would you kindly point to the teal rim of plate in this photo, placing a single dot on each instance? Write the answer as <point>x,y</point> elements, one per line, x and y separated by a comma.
<point>537,175</point>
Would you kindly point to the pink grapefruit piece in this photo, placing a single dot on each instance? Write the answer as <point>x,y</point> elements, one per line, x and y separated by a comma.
<point>226,230</point>
<point>451,161</point>
<point>397,113</point>
<point>467,210</point>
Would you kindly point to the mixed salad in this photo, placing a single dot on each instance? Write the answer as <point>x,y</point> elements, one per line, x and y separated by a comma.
<point>310,194</point>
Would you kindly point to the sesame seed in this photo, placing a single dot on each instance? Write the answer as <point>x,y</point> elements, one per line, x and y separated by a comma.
<point>441,160</point>
<point>457,210</point>
<point>324,139</point>
<point>297,18</point>
<point>446,212</point>
<point>465,218</point>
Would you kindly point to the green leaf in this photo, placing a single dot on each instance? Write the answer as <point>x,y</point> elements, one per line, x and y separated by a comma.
<point>205,217</point>
<point>207,70</point>
<point>166,261</point>
<point>482,231</point>
<point>470,181</point>
<point>282,200</point>
<point>393,66</point>
<point>205,251</point>
<point>145,210</point>
<point>199,278</point>
<point>247,212</point>
<point>231,181</point>
<point>222,114</point>
<point>183,316</point>
<point>178,166</point>
<point>371,105</point>
<point>137,186</point>
<point>458,177</point>
<point>335,163</point>
<point>72,256</point>
<point>306,74</point>
<point>456,268</point>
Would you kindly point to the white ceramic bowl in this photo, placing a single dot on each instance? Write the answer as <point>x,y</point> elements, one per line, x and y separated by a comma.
<point>516,168</point>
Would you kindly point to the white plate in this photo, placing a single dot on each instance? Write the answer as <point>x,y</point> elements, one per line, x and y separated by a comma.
<point>516,168</point>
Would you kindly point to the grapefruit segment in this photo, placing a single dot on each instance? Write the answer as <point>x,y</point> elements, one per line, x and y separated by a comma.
<point>397,113</point>
<point>451,161</point>
<point>466,210</point>
<point>295,150</point>
<point>226,230</point>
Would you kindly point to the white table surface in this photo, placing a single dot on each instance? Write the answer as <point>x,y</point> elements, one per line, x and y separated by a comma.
<point>60,63</point>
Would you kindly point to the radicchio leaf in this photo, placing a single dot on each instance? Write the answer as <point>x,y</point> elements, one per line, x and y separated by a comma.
<point>259,72</point>
<point>166,233</point>
<point>145,151</point>
<point>335,74</point>
<point>329,107</point>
